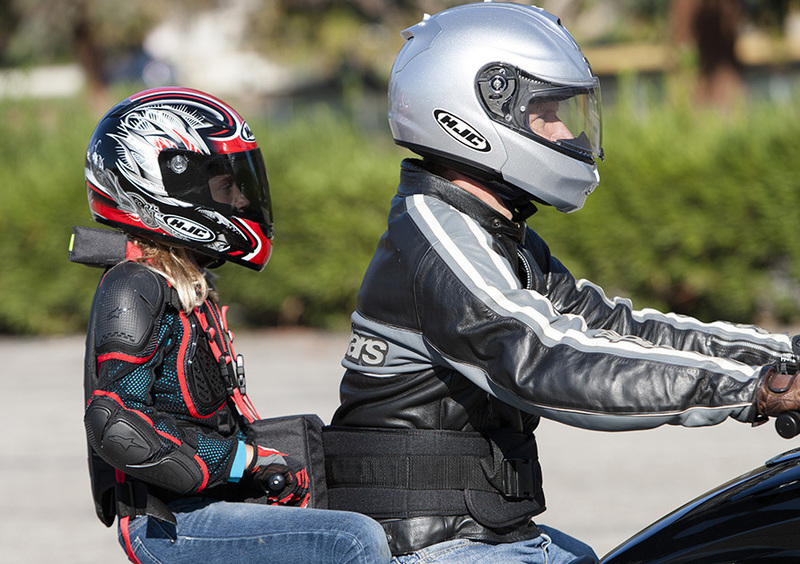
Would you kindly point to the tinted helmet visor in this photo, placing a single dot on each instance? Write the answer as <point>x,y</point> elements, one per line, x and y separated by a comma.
<point>234,184</point>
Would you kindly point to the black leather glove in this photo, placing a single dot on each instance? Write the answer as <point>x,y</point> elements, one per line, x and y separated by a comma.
<point>283,478</point>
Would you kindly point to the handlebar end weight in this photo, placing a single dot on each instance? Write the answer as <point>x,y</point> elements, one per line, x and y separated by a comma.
<point>788,424</point>
<point>276,482</point>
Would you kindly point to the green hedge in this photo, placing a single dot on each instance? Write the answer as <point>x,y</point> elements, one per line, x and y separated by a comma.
<point>331,185</point>
<point>695,213</point>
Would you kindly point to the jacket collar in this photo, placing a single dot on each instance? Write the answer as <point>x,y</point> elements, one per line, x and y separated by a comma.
<point>416,179</point>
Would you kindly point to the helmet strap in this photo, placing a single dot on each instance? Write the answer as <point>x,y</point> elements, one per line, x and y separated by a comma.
<point>517,200</point>
<point>206,261</point>
<point>522,209</point>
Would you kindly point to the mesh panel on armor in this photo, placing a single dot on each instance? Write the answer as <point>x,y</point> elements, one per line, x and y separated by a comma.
<point>168,391</point>
<point>126,380</point>
<point>113,369</point>
<point>162,399</point>
<point>138,382</point>
<point>165,426</point>
<point>207,382</point>
<point>215,453</point>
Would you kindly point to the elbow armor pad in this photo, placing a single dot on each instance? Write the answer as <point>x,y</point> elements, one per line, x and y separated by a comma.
<point>127,442</point>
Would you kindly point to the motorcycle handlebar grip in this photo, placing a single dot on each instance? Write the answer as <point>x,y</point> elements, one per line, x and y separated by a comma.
<point>276,482</point>
<point>788,424</point>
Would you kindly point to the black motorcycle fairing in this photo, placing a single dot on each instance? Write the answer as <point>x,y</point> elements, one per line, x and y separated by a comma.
<point>753,518</point>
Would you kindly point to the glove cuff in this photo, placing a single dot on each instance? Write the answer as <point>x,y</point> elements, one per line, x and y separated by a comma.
<point>239,461</point>
<point>263,456</point>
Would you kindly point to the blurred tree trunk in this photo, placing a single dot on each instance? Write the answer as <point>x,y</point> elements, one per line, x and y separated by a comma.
<point>89,56</point>
<point>9,19</point>
<point>711,27</point>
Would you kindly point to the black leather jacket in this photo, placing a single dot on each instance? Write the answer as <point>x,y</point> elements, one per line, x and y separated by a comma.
<point>466,322</point>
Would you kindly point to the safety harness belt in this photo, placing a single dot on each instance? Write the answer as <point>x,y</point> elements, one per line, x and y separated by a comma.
<point>404,473</point>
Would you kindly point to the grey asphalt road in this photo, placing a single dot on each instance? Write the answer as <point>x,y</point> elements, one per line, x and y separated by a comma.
<point>601,487</point>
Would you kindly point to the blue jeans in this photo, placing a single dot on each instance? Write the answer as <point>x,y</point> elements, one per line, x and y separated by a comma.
<point>218,531</point>
<point>552,547</point>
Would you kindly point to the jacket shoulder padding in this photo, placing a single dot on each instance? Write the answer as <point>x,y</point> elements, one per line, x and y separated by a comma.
<point>128,305</point>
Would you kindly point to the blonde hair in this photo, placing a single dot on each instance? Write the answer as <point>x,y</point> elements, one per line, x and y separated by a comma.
<point>181,270</point>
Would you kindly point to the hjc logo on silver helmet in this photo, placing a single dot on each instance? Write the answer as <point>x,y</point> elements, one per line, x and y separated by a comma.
<point>461,131</point>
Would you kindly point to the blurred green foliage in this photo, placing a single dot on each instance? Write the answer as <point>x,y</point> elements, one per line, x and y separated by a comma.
<point>330,185</point>
<point>696,212</point>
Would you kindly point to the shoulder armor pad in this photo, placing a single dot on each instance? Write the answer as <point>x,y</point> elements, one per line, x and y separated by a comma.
<point>128,306</point>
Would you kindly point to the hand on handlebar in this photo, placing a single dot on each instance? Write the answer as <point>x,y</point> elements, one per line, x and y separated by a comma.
<point>282,477</point>
<point>779,396</point>
<point>779,392</point>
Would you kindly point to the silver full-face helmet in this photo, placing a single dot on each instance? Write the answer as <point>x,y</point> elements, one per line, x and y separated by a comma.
<point>502,92</point>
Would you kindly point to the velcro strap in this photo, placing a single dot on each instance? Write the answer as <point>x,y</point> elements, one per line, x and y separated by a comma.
<point>409,459</point>
<point>97,247</point>
<point>780,383</point>
<point>134,500</point>
<point>366,441</point>
<point>425,460</point>
<point>380,503</point>
<point>413,472</point>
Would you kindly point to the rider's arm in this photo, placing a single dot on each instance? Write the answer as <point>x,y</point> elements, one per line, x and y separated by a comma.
<point>562,363</point>
<point>744,343</point>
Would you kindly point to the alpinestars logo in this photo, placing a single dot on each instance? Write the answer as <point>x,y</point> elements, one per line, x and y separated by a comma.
<point>461,131</point>
<point>366,350</point>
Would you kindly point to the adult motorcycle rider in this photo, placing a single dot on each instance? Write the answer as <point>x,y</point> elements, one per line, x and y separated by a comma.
<point>467,329</point>
<point>167,419</point>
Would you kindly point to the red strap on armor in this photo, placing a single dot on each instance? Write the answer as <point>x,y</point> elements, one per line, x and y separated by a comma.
<point>126,536</point>
<point>219,339</point>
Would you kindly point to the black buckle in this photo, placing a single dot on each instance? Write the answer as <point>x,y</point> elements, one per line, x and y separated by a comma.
<point>240,381</point>
<point>519,477</point>
<point>228,375</point>
<point>233,373</point>
<point>787,365</point>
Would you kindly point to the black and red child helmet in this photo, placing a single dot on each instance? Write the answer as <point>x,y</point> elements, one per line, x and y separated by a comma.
<point>180,166</point>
